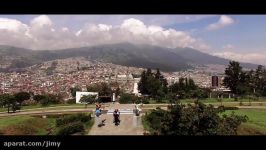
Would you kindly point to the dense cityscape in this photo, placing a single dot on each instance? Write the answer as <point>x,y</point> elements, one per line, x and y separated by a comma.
<point>67,73</point>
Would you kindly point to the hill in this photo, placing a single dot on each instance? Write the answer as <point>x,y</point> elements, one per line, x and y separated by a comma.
<point>143,56</point>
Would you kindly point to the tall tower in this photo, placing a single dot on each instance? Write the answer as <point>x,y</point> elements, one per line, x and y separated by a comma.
<point>215,81</point>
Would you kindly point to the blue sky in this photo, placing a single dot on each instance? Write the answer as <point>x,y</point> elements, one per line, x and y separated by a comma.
<point>230,36</point>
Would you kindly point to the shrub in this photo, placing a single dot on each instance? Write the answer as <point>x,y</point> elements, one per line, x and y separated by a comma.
<point>227,108</point>
<point>71,101</point>
<point>56,115</point>
<point>229,124</point>
<point>159,101</point>
<point>145,101</point>
<point>128,98</point>
<point>29,102</point>
<point>38,98</point>
<point>138,101</point>
<point>73,118</point>
<point>153,120</point>
<point>198,119</point>
<point>71,129</point>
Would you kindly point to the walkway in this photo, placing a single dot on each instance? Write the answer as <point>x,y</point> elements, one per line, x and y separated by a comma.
<point>130,124</point>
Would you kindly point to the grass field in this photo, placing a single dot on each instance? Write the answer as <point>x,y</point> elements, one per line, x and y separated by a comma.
<point>33,125</point>
<point>212,100</point>
<point>216,102</point>
<point>7,121</point>
<point>51,107</point>
<point>256,121</point>
<point>25,125</point>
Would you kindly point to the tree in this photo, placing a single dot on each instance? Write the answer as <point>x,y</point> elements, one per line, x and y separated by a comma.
<point>153,84</point>
<point>88,99</point>
<point>45,101</point>
<point>174,88</point>
<point>74,90</point>
<point>191,84</point>
<point>94,88</point>
<point>142,85</point>
<point>158,74</point>
<point>38,98</point>
<point>105,90</point>
<point>186,88</point>
<point>9,101</point>
<point>233,76</point>
<point>260,80</point>
<point>197,119</point>
<point>22,96</point>
<point>118,91</point>
<point>244,87</point>
<point>48,99</point>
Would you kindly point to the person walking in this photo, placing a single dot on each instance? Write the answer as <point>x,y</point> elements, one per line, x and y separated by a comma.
<point>97,116</point>
<point>116,115</point>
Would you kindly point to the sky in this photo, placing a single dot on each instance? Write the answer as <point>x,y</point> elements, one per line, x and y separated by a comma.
<point>238,37</point>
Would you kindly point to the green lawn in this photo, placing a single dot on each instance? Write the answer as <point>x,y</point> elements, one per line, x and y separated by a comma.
<point>256,120</point>
<point>7,121</point>
<point>211,100</point>
<point>33,125</point>
<point>215,100</point>
<point>51,107</point>
<point>25,125</point>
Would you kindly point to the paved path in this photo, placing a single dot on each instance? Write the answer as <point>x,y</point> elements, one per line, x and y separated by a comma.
<point>126,127</point>
<point>130,124</point>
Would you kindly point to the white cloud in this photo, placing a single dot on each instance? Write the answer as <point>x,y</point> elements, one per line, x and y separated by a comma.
<point>159,20</point>
<point>41,21</point>
<point>43,33</point>
<point>223,22</point>
<point>12,25</point>
<point>255,58</point>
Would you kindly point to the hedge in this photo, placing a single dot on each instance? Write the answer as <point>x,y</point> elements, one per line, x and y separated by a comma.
<point>71,129</point>
<point>227,108</point>
<point>73,118</point>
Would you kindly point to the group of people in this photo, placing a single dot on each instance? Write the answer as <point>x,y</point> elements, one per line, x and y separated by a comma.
<point>98,113</point>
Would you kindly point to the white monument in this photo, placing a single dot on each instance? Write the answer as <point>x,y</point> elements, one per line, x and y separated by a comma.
<point>113,97</point>
<point>135,89</point>
<point>80,94</point>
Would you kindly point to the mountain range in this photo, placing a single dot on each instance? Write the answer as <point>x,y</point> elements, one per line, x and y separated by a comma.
<point>144,56</point>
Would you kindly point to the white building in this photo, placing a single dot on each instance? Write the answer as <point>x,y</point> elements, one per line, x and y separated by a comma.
<point>80,94</point>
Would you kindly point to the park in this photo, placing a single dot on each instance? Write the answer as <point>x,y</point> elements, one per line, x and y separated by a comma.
<point>179,109</point>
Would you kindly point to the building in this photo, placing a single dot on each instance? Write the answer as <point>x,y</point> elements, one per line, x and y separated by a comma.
<point>215,81</point>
